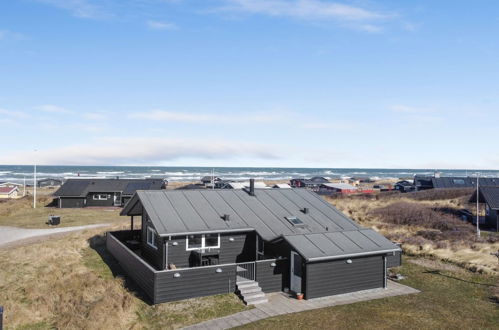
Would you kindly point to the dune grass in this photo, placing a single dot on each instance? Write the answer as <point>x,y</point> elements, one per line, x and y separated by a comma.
<point>72,283</point>
<point>426,225</point>
<point>451,298</point>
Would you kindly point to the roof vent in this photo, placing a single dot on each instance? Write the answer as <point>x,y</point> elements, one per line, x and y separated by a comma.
<point>305,210</point>
<point>226,217</point>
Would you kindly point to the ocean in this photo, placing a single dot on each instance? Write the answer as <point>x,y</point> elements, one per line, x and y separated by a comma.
<point>17,173</point>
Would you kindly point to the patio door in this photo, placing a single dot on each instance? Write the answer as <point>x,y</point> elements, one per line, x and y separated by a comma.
<point>296,271</point>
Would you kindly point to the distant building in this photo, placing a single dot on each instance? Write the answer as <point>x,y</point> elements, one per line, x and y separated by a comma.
<point>490,197</point>
<point>208,181</point>
<point>404,186</point>
<point>9,192</point>
<point>10,184</point>
<point>337,188</point>
<point>49,182</point>
<point>430,182</point>
<point>76,193</point>
<point>314,182</point>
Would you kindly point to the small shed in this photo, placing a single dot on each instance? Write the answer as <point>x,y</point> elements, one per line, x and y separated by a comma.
<point>9,192</point>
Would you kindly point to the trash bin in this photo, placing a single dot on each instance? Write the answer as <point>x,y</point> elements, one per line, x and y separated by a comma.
<point>54,220</point>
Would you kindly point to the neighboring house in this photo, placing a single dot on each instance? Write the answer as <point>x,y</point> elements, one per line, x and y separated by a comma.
<point>10,184</point>
<point>9,192</point>
<point>382,187</point>
<point>404,186</point>
<point>490,197</point>
<point>208,181</point>
<point>314,182</point>
<point>49,182</point>
<point>337,188</point>
<point>102,192</point>
<point>281,186</point>
<point>204,242</point>
<point>424,182</point>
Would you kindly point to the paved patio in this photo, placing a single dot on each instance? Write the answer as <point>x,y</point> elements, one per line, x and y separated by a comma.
<point>280,303</point>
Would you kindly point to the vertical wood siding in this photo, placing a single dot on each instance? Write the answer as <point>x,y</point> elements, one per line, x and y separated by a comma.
<point>335,277</point>
<point>241,249</point>
<point>142,274</point>
<point>270,278</point>
<point>394,260</point>
<point>152,255</point>
<point>194,282</point>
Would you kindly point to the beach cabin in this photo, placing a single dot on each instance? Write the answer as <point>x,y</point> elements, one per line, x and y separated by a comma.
<point>76,193</point>
<point>195,243</point>
<point>49,182</point>
<point>314,182</point>
<point>337,188</point>
<point>488,196</point>
<point>424,182</point>
<point>9,192</point>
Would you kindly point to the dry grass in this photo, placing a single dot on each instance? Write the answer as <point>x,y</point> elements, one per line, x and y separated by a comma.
<point>426,225</point>
<point>64,283</point>
<point>20,213</point>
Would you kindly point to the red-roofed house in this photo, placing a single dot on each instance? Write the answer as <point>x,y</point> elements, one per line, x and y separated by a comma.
<point>9,192</point>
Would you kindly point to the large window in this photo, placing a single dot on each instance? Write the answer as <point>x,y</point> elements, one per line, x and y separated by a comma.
<point>201,242</point>
<point>151,237</point>
<point>101,197</point>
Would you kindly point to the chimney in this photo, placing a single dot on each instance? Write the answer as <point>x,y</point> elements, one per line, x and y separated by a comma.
<point>252,187</point>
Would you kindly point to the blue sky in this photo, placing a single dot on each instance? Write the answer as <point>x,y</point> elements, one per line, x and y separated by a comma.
<point>313,83</point>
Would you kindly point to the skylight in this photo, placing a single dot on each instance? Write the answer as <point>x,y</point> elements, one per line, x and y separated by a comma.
<point>295,221</point>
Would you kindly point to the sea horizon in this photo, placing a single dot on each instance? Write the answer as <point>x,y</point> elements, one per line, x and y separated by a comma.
<point>17,173</point>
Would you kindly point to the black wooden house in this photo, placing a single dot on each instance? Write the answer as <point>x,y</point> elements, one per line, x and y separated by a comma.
<point>203,242</point>
<point>76,193</point>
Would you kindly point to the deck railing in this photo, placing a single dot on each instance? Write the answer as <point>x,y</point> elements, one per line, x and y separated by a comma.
<point>246,270</point>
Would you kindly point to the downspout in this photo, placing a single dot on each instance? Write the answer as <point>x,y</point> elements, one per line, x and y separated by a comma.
<point>385,281</point>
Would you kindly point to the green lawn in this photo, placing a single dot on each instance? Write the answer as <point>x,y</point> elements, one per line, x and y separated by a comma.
<point>451,298</point>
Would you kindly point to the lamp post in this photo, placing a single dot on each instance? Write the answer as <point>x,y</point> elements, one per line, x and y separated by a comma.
<point>34,182</point>
<point>477,204</point>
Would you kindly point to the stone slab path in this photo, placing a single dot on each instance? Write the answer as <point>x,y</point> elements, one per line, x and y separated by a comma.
<point>11,235</point>
<point>280,304</point>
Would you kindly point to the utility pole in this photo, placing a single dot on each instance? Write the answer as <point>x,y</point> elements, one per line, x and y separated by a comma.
<point>477,205</point>
<point>24,186</point>
<point>34,183</point>
<point>212,178</point>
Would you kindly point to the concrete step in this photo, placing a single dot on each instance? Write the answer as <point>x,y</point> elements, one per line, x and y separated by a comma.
<point>245,285</point>
<point>256,301</point>
<point>254,295</point>
<point>251,289</point>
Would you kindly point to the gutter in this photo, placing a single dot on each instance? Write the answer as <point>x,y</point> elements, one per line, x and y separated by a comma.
<point>223,231</point>
<point>352,255</point>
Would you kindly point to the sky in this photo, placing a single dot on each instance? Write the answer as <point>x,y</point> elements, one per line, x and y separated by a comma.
<point>264,83</point>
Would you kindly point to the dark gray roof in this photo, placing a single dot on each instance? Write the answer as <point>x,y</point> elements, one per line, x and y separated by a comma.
<point>201,211</point>
<point>489,195</point>
<point>454,182</point>
<point>81,187</point>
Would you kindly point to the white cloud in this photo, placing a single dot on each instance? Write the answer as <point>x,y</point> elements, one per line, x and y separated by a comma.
<point>53,109</point>
<point>311,10</point>
<point>7,34</point>
<point>78,8</point>
<point>157,25</point>
<point>13,114</point>
<point>136,151</point>
<point>182,117</point>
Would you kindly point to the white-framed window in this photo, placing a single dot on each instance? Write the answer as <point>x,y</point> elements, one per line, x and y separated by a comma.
<point>202,242</point>
<point>151,237</point>
<point>101,197</point>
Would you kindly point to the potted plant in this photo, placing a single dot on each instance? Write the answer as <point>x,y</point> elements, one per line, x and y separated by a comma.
<point>299,296</point>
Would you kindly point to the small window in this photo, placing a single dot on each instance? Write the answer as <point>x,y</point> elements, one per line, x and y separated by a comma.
<point>295,221</point>
<point>260,246</point>
<point>458,181</point>
<point>151,237</point>
<point>201,242</point>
